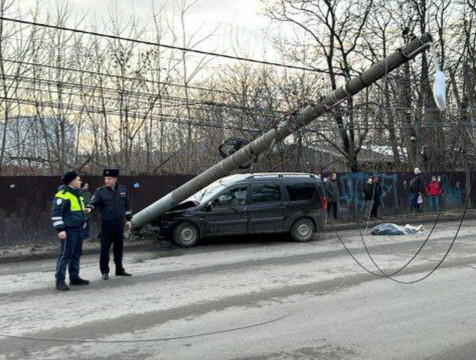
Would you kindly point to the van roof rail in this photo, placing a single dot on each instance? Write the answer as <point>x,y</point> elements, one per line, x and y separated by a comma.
<point>282,175</point>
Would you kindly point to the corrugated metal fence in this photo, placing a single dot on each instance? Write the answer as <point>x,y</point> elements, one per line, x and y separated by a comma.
<point>25,201</point>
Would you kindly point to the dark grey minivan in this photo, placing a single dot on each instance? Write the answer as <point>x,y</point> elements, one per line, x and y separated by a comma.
<point>293,203</point>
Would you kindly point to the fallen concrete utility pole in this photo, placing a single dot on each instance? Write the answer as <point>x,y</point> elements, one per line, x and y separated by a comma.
<point>269,139</point>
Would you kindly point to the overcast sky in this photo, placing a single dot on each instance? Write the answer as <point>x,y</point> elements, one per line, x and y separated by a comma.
<point>239,21</point>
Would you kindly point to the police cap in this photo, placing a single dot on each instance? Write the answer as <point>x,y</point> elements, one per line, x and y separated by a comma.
<point>69,176</point>
<point>112,172</point>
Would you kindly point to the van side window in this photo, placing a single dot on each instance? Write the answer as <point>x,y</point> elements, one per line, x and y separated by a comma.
<point>232,197</point>
<point>265,193</point>
<point>300,192</point>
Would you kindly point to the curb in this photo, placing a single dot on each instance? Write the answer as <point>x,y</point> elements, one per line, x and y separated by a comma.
<point>161,244</point>
<point>401,220</point>
<point>52,253</point>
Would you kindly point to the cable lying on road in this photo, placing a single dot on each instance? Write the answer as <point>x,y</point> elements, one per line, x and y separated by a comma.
<point>66,340</point>
<point>389,276</point>
<point>21,337</point>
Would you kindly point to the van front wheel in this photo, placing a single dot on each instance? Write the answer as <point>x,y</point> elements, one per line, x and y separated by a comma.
<point>186,234</point>
<point>303,230</point>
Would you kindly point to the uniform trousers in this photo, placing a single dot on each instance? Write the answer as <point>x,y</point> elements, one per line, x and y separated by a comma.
<point>111,234</point>
<point>70,252</point>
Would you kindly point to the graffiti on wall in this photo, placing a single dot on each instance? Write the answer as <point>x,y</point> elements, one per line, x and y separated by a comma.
<point>351,194</point>
<point>453,190</point>
<point>395,193</point>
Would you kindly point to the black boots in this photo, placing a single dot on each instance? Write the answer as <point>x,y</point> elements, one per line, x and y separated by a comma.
<point>122,273</point>
<point>79,281</point>
<point>105,276</point>
<point>61,286</point>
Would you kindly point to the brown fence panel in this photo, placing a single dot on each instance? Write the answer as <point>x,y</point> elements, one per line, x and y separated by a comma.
<point>25,203</point>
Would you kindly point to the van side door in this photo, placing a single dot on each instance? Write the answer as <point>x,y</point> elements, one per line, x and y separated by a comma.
<point>228,213</point>
<point>266,208</point>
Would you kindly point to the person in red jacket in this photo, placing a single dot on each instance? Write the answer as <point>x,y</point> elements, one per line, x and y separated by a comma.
<point>433,191</point>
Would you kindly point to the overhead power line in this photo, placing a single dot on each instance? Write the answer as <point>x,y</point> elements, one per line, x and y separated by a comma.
<point>139,97</point>
<point>167,118</point>
<point>146,99</point>
<point>178,103</point>
<point>175,119</point>
<point>129,78</point>
<point>172,47</point>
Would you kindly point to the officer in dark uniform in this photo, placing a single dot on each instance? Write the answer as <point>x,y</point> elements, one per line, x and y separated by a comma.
<point>68,218</point>
<point>113,201</point>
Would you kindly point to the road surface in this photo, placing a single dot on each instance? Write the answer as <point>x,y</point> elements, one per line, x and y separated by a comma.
<point>260,299</point>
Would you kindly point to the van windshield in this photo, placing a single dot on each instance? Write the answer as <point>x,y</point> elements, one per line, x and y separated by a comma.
<point>207,193</point>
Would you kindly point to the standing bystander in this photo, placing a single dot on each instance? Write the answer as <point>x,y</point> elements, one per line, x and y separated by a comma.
<point>332,195</point>
<point>433,191</point>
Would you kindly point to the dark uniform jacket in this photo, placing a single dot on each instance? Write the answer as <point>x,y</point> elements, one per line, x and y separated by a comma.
<point>332,191</point>
<point>68,209</point>
<point>114,204</point>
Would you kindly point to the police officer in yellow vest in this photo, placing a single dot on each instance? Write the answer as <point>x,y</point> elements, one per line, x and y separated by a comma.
<point>69,218</point>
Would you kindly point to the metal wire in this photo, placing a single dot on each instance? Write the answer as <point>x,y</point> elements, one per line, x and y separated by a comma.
<point>71,340</point>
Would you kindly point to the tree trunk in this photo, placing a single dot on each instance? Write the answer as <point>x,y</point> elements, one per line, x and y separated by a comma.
<point>404,105</point>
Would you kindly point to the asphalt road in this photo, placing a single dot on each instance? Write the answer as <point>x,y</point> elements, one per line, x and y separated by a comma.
<point>260,299</point>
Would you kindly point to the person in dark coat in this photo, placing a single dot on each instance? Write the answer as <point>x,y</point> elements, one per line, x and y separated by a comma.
<point>113,201</point>
<point>416,190</point>
<point>332,192</point>
<point>369,196</point>
<point>377,197</point>
<point>68,218</point>
<point>372,196</point>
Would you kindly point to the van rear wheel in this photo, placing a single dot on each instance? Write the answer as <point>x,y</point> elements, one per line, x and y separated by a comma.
<point>303,230</point>
<point>186,234</point>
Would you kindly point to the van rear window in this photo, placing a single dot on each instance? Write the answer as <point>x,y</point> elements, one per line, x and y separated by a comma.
<point>298,192</point>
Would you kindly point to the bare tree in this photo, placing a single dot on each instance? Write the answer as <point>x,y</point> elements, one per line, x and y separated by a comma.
<point>12,44</point>
<point>334,28</point>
